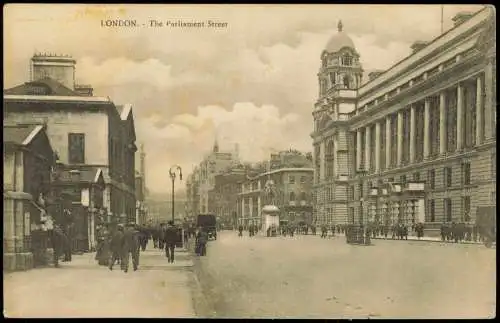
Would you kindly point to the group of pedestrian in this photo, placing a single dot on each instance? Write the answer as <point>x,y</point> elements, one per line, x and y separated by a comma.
<point>252,230</point>
<point>118,245</point>
<point>459,232</point>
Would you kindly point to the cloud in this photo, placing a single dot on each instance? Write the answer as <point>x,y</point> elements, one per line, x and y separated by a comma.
<point>257,129</point>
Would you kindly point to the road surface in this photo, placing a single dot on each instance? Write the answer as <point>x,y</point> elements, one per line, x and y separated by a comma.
<point>310,277</point>
<point>81,288</point>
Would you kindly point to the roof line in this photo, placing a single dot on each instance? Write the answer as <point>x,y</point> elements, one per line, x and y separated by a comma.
<point>127,108</point>
<point>32,135</point>
<point>99,172</point>
<point>407,58</point>
<point>57,98</point>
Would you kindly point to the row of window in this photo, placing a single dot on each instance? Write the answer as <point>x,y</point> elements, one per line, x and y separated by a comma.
<point>447,207</point>
<point>431,179</point>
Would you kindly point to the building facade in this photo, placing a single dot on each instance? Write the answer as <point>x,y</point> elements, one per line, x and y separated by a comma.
<point>214,163</point>
<point>292,188</point>
<point>28,160</point>
<point>224,196</point>
<point>418,141</point>
<point>83,130</point>
<point>288,174</point>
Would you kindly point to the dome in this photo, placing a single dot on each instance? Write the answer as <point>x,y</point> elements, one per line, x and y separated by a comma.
<point>339,40</point>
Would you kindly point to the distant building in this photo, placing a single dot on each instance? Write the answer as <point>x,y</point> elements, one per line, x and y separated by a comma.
<point>214,163</point>
<point>161,211</point>
<point>140,190</point>
<point>291,174</point>
<point>223,199</point>
<point>417,142</point>
<point>28,160</point>
<point>84,130</point>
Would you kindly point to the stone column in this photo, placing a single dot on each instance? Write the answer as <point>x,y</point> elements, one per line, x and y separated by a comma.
<point>442,123</point>
<point>8,226</point>
<point>367,147</point>
<point>377,146</point>
<point>489,102</point>
<point>427,119</point>
<point>242,208</point>
<point>322,161</point>
<point>315,181</point>
<point>460,117</point>
<point>250,206</point>
<point>479,110</point>
<point>388,142</point>
<point>358,149</point>
<point>259,208</point>
<point>400,138</point>
<point>413,123</point>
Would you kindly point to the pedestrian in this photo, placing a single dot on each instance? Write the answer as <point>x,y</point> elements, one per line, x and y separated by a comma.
<point>323,231</point>
<point>171,237</point>
<point>240,231</point>
<point>155,232</point>
<point>161,236</point>
<point>201,242</point>
<point>454,231</point>
<point>130,247</point>
<point>386,230</point>
<point>102,255</point>
<point>250,230</point>
<point>57,238</point>
<point>116,246</point>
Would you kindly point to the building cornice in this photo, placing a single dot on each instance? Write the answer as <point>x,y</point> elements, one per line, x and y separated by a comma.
<point>438,44</point>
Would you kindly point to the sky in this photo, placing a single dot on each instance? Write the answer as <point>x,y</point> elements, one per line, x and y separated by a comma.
<point>253,83</point>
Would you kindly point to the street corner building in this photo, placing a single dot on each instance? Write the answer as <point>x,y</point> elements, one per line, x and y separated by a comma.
<point>28,160</point>
<point>284,181</point>
<point>90,137</point>
<point>414,143</point>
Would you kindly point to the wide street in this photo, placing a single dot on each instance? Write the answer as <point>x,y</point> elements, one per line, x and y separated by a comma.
<point>81,288</point>
<point>306,276</point>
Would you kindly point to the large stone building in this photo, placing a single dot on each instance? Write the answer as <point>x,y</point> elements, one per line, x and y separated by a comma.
<point>416,143</point>
<point>292,177</point>
<point>28,160</point>
<point>84,130</point>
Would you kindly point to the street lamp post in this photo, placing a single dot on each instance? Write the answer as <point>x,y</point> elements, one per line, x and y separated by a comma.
<point>173,172</point>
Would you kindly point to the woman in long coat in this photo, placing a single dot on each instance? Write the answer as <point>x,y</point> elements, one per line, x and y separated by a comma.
<point>103,247</point>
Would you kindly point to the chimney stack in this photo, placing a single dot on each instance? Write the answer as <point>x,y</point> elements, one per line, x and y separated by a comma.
<point>418,45</point>
<point>462,17</point>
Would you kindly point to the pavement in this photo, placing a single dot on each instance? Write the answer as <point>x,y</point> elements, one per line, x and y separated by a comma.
<point>415,238</point>
<point>81,288</point>
<point>309,277</point>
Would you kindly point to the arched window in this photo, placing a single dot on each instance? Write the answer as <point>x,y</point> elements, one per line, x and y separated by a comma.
<point>329,148</point>
<point>346,81</point>
<point>292,196</point>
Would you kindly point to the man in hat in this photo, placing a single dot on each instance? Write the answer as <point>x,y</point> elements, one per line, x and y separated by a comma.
<point>130,246</point>
<point>171,237</point>
<point>116,246</point>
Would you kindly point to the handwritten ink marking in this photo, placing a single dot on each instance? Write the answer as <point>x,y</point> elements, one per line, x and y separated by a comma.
<point>110,23</point>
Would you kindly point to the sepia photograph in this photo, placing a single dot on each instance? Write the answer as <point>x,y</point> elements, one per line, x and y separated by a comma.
<point>313,161</point>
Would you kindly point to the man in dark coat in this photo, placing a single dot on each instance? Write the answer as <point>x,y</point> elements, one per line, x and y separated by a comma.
<point>116,246</point>
<point>240,231</point>
<point>130,246</point>
<point>171,237</point>
<point>323,231</point>
<point>59,240</point>
<point>201,242</point>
